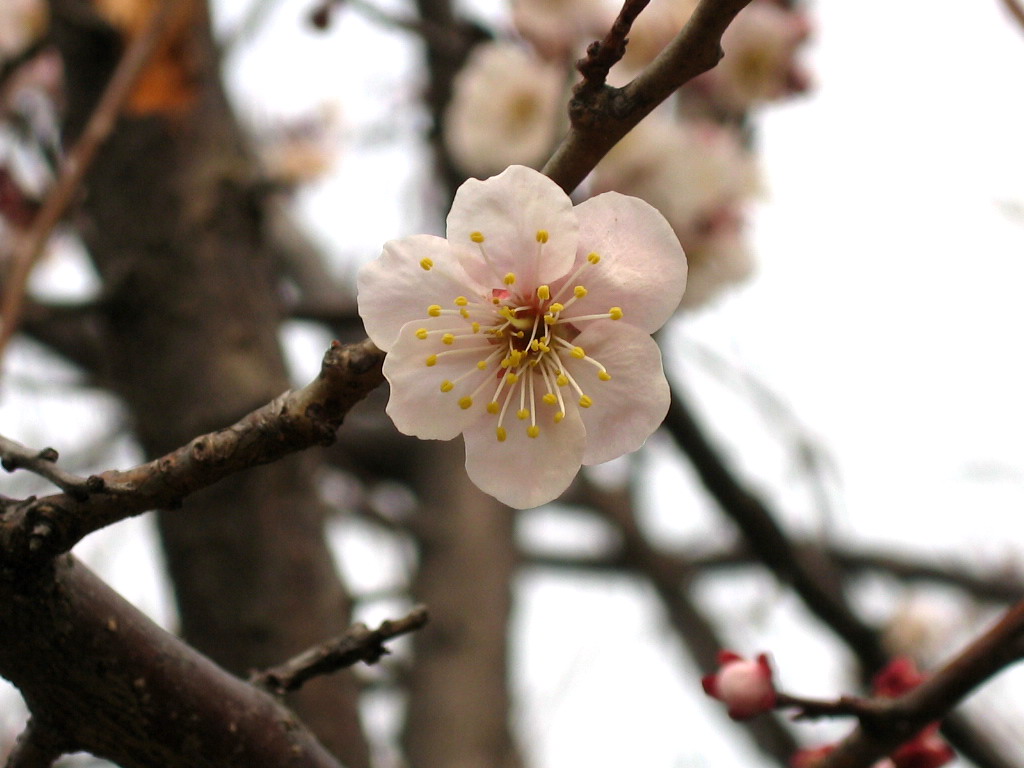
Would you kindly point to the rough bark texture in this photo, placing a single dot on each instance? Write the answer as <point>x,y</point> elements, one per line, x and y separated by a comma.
<point>459,713</point>
<point>101,677</point>
<point>175,224</point>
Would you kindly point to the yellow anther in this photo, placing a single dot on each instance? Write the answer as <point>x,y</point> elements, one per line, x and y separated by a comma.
<point>559,416</point>
<point>476,327</point>
<point>585,402</point>
<point>562,380</point>
<point>482,365</point>
<point>522,414</point>
<point>556,307</point>
<point>461,301</point>
<point>431,361</point>
<point>500,432</point>
<point>543,348</point>
<point>593,258</point>
<point>421,333</point>
<point>578,353</point>
<point>510,278</point>
<point>426,263</point>
<point>533,430</point>
<point>464,313</point>
<point>449,338</point>
<point>535,345</point>
<point>544,293</point>
<point>465,402</point>
<point>434,310</point>
<point>550,319</point>
<point>517,356</point>
<point>476,237</point>
<point>542,235</point>
<point>616,313</point>
<point>493,406</point>
<point>550,398</point>
<point>513,378</point>
<point>506,362</point>
<point>507,313</point>
<point>579,291</point>
<point>447,386</point>
<point>604,376</point>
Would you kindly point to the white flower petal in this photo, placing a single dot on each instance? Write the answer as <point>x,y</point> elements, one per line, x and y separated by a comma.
<point>524,471</point>
<point>417,405</point>
<point>642,268</point>
<point>397,288</point>
<point>633,403</point>
<point>509,210</point>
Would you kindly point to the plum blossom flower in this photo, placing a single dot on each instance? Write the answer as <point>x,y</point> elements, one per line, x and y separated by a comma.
<point>504,109</point>
<point>527,330</point>
<point>744,685</point>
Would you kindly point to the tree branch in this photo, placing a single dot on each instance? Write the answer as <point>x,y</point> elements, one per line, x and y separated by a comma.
<point>998,648</point>
<point>808,571</point>
<point>600,116</point>
<point>357,644</point>
<point>37,747</point>
<point>38,529</point>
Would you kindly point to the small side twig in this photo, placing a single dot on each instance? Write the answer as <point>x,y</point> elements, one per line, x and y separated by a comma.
<point>357,644</point>
<point>602,55</point>
<point>100,126</point>
<point>14,456</point>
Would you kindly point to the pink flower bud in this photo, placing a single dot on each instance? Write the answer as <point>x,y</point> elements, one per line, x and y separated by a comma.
<point>744,685</point>
<point>897,677</point>
<point>926,750</point>
<point>811,757</point>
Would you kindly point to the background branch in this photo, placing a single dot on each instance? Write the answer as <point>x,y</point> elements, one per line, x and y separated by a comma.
<point>357,644</point>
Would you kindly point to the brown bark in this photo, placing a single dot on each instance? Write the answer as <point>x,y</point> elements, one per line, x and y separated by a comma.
<point>458,712</point>
<point>175,224</point>
<point>103,678</point>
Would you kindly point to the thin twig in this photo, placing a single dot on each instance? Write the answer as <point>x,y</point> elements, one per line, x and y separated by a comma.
<point>600,116</point>
<point>39,529</point>
<point>14,455</point>
<point>602,55</point>
<point>97,130</point>
<point>357,644</point>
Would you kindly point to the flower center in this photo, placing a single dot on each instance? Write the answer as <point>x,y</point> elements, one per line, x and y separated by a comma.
<point>522,336</point>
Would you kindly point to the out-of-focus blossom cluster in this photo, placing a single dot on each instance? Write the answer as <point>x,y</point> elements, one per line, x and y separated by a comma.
<point>690,159</point>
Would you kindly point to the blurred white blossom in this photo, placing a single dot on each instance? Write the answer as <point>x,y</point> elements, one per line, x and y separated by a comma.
<point>561,29</point>
<point>505,110</point>
<point>701,179</point>
<point>760,62</point>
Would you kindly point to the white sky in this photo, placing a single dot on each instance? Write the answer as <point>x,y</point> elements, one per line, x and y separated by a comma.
<point>886,315</point>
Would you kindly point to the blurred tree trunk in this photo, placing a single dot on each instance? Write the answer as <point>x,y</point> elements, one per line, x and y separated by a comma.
<point>175,224</point>
<point>459,712</point>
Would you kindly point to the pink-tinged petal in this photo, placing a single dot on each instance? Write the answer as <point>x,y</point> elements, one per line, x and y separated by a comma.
<point>642,268</point>
<point>509,210</point>
<point>411,274</point>
<point>523,471</point>
<point>418,406</point>
<point>627,408</point>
